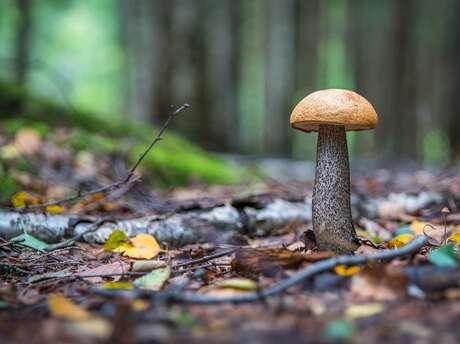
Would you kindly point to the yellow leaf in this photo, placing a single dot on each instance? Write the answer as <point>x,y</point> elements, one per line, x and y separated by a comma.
<point>22,198</point>
<point>117,285</point>
<point>237,283</point>
<point>455,238</point>
<point>116,239</point>
<point>400,240</point>
<point>343,270</point>
<point>144,246</point>
<point>139,305</point>
<point>363,311</point>
<point>418,226</point>
<point>362,233</point>
<point>61,307</point>
<point>55,209</point>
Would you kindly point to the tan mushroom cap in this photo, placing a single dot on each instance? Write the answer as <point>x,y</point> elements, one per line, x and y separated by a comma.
<point>334,107</point>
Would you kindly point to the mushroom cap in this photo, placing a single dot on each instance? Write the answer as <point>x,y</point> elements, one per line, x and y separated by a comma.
<point>334,107</point>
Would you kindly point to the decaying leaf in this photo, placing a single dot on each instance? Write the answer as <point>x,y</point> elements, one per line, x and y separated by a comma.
<point>113,268</point>
<point>55,209</point>
<point>148,265</point>
<point>230,286</point>
<point>118,285</point>
<point>154,280</point>
<point>62,307</point>
<point>268,261</point>
<point>381,283</point>
<point>27,141</point>
<point>237,283</point>
<point>364,310</point>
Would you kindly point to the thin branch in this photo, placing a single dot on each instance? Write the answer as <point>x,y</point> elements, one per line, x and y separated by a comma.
<point>117,185</point>
<point>187,297</point>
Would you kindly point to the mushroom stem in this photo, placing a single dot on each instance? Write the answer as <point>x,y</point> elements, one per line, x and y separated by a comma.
<point>332,222</point>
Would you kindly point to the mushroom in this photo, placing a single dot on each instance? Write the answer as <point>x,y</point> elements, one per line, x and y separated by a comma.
<point>332,112</point>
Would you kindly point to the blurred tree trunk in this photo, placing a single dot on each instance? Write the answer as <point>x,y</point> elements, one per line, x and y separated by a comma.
<point>145,33</point>
<point>251,86</point>
<point>24,8</point>
<point>222,36</point>
<point>306,19</point>
<point>279,82</point>
<point>396,88</point>
<point>453,68</point>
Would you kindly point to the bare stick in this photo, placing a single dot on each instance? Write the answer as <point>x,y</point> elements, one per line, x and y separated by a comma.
<point>187,297</point>
<point>117,185</point>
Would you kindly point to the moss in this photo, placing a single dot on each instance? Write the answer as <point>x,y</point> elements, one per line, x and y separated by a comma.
<point>8,186</point>
<point>173,161</point>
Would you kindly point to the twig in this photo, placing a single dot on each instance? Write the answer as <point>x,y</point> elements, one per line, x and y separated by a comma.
<point>205,258</point>
<point>117,185</point>
<point>187,297</point>
<point>71,241</point>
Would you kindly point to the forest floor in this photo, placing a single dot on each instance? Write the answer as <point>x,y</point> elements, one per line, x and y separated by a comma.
<point>133,290</point>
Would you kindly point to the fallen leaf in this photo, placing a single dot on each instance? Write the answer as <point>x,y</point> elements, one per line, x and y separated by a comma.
<point>22,199</point>
<point>117,285</point>
<point>144,246</point>
<point>343,270</point>
<point>27,141</point>
<point>443,256</point>
<point>237,283</point>
<point>381,283</point>
<point>148,265</point>
<point>400,240</point>
<point>30,241</point>
<point>154,280</point>
<point>112,268</point>
<point>94,327</point>
<point>55,209</point>
<point>339,330</point>
<point>61,307</point>
<point>115,240</point>
<point>455,238</point>
<point>364,310</point>
<point>248,261</point>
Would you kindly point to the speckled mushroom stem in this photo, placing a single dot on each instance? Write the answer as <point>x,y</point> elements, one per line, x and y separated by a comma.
<point>332,222</point>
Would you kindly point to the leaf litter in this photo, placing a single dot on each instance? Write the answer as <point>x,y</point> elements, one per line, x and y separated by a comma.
<point>51,292</point>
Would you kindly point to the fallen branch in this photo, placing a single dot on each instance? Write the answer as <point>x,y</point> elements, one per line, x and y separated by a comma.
<point>118,184</point>
<point>187,297</point>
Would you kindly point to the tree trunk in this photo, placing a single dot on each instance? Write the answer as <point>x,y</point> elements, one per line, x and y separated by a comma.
<point>23,41</point>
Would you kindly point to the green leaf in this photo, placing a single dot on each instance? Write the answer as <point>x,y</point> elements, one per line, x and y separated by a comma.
<point>339,330</point>
<point>154,280</point>
<point>116,238</point>
<point>443,256</point>
<point>29,241</point>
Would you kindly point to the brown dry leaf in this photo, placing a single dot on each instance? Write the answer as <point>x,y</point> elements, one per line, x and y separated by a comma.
<point>113,268</point>
<point>381,282</point>
<point>27,141</point>
<point>267,261</point>
<point>61,307</point>
<point>148,265</point>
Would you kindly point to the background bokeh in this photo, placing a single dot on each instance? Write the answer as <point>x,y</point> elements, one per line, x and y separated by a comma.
<point>243,64</point>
